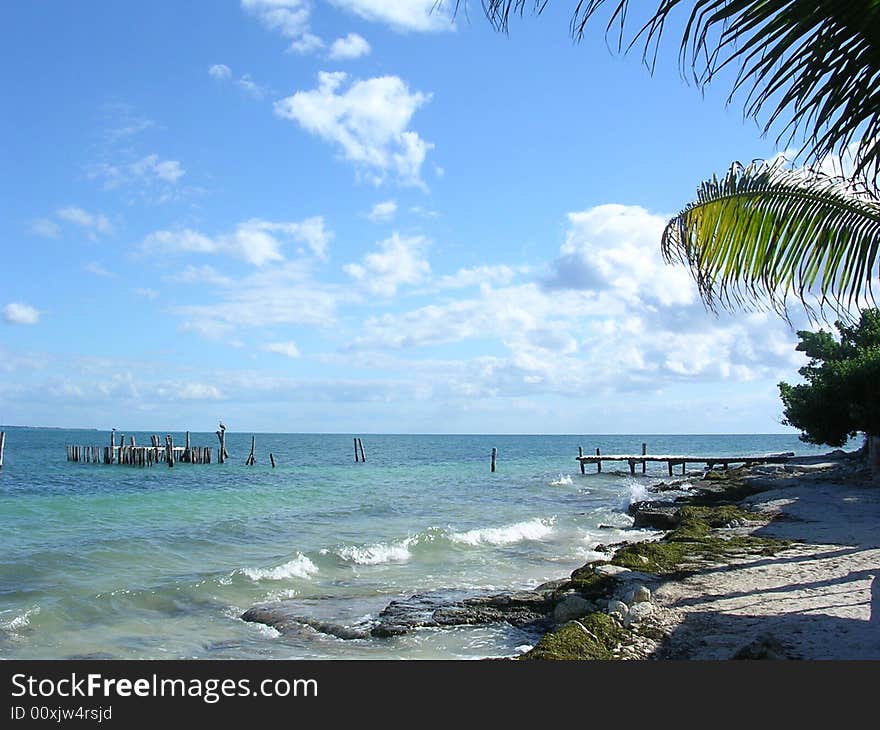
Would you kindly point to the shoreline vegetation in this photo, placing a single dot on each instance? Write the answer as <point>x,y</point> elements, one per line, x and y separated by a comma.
<point>762,562</point>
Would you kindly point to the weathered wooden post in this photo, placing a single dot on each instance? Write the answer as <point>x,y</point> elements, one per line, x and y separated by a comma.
<point>356,457</point>
<point>187,452</point>
<point>581,453</point>
<point>112,445</point>
<point>644,451</point>
<point>250,460</point>
<point>169,450</point>
<point>361,444</point>
<point>494,457</point>
<point>221,436</point>
<point>598,462</point>
<point>272,459</point>
<point>669,464</point>
<point>2,446</point>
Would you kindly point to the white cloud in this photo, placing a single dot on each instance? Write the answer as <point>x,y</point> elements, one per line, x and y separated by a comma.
<point>382,212</point>
<point>200,391</point>
<point>169,171</point>
<point>256,241</point>
<point>402,15</point>
<point>477,276</point>
<point>288,349</point>
<point>146,293</point>
<point>95,224</point>
<point>289,18</point>
<point>93,267</point>
<point>149,171</point>
<point>399,260</point>
<point>282,295</point>
<point>368,119</point>
<point>204,274</point>
<point>220,71</point>
<point>351,46</point>
<point>20,313</point>
<point>45,228</point>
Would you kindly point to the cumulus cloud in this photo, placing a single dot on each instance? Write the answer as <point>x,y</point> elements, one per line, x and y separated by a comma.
<point>399,260</point>
<point>245,82</point>
<point>349,47</point>
<point>287,349</point>
<point>368,120</point>
<point>383,211</point>
<point>256,241</point>
<point>204,274</point>
<point>477,276</point>
<point>402,15</point>
<point>20,313</point>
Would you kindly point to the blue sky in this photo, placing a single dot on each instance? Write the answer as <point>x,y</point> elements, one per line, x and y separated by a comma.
<point>356,215</point>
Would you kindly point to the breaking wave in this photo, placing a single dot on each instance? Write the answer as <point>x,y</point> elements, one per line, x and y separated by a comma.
<point>536,529</point>
<point>299,567</point>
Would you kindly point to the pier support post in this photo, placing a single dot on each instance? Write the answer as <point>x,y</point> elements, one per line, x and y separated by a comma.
<point>644,451</point>
<point>599,462</point>
<point>187,453</point>
<point>272,459</point>
<point>169,450</point>
<point>494,457</point>
<point>2,446</point>
<point>581,453</point>
<point>361,446</point>
<point>221,436</point>
<point>250,460</point>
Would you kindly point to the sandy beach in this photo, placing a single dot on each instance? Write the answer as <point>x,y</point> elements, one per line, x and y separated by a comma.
<point>818,598</point>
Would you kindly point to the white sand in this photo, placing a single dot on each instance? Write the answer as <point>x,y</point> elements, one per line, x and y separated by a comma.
<point>818,600</point>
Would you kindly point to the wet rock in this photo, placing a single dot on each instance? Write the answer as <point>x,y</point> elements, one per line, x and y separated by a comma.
<point>279,618</point>
<point>551,585</point>
<point>655,515</point>
<point>525,608</point>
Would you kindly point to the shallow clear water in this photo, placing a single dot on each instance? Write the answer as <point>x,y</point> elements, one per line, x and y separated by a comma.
<point>159,563</point>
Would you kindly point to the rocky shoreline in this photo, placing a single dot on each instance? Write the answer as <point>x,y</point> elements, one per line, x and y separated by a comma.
<point>609,608</point>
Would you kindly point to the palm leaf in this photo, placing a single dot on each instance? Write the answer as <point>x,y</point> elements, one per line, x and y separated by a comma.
<point>764,233</point>
<point>809,66</point>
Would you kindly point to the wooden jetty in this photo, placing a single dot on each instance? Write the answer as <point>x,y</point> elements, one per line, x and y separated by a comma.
<point>133,455</point>
<point>673,460</point>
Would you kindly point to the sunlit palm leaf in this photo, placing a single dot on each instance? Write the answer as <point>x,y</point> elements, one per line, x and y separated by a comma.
<point>763,233</point>
<point>814,64</point>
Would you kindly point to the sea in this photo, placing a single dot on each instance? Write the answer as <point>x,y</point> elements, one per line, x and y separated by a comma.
<point>115,561</point>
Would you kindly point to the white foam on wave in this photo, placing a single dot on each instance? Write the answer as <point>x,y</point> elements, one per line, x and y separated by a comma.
<point>536,529</point>
<point>21,621</point>
<point>299,567</point>
<point>638,493</point>
<point>563,480</point>
<point>380,552</point>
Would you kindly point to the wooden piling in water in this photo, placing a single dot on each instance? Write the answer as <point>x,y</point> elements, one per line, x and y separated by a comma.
<point>187,452</point>
<point>221,436</point>
<point>361,445</point>
<point>583,466</point>
<point>644,451</point>
<point>169,450</point>
<point>494,457</point>
<point>598,463</point>
<point>2,446</point>
<point>272,459</point>
<point>250,460</point>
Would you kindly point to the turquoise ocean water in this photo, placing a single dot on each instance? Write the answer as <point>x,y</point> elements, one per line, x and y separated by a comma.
<point>127,562</point>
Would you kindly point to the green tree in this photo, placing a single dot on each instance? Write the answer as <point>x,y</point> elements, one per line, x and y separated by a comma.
<point>763,233</point>
<point>841,393</point>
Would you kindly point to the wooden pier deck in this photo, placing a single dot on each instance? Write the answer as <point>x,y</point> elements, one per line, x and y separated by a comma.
<point>673,460</point>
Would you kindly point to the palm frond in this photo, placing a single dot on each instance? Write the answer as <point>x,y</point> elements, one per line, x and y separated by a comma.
<point>809,66</point>
<point>764,233</point>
